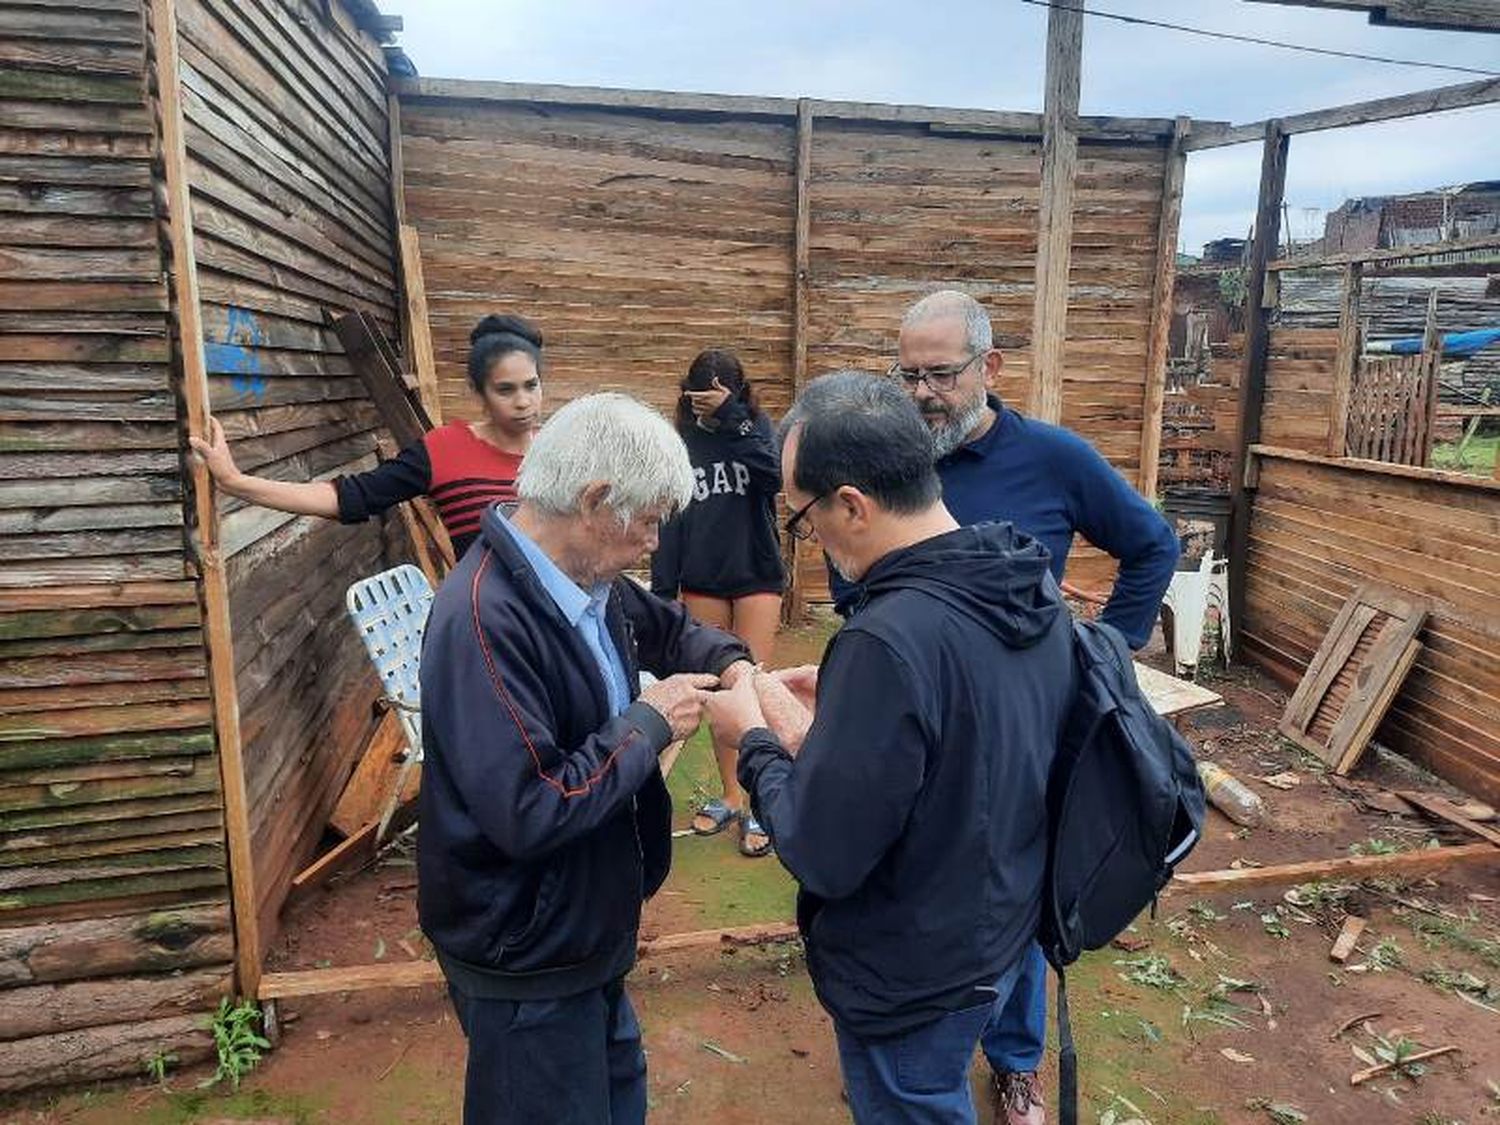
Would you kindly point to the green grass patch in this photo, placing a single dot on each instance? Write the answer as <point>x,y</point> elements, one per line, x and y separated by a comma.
<point>1477,455</point>
<point>188,1106</point>
<point>723,887</point>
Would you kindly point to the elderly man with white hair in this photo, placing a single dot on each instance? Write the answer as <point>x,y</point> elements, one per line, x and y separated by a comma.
<point>545,820</point>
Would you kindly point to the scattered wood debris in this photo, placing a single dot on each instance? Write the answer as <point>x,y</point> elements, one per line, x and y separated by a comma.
<point>1349,934</point>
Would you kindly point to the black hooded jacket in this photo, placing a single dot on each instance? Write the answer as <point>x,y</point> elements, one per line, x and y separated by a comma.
<point>914,817</point>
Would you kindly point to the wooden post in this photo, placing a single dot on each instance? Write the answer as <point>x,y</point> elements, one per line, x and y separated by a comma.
<point>204,536</point>
<point>415,326</point>
<point>398,216</point>
<point>1049,319</point>
<point>1253,374</point>
<point>1346,362</point>
<point>794,605</point>
<point>1161,305</point>
<point>1432,367</point>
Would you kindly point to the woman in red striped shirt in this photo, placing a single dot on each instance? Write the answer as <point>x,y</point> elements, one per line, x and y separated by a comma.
<point>464,467</point>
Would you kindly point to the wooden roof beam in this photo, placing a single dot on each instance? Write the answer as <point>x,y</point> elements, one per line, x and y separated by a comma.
<point>939,119</point>
<point>1433,15</point>
<point>1486,91</point>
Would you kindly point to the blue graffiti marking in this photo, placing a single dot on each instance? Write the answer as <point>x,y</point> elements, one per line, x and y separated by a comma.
<point>237,355</point>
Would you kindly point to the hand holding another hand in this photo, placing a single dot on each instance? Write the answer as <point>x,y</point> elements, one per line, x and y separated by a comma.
<point>785,714</point>
<point>679,699</point>
<point>733,712</point>
<point>802,682</point>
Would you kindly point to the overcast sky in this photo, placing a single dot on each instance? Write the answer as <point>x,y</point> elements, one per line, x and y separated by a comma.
<point>990,54</point>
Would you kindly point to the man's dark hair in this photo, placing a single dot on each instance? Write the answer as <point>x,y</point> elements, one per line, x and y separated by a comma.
<point>864,431</point>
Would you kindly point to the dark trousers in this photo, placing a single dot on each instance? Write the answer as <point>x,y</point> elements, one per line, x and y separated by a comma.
<point>920,1077</point>
<point>574,1061</point>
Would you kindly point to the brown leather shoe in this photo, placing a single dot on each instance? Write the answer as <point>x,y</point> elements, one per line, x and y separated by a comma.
<point>1018,1097</point>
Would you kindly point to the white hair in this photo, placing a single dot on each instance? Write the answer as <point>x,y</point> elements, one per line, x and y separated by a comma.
<point>946,303</point>
<point>612,438</point>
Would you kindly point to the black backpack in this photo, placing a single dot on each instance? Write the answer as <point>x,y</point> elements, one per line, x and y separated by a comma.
<point>1125,805</point>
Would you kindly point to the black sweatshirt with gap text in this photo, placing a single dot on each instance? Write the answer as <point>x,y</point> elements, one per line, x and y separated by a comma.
<point>724,543</point>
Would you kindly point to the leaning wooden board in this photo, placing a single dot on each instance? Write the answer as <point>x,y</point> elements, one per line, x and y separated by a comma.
<point>1355,675</point>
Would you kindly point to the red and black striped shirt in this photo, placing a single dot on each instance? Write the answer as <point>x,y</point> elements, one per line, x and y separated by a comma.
<point>462,474</point>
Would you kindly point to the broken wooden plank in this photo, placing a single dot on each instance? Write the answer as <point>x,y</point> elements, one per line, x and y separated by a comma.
<point>382,380</point>
<point>1361,1076</point>
<point>1444,810</point>
<point>1344,867</point>
<point>356,850</point>
<point>373,779</point>
<point>760,933</point>
<point>357,978</point>
<point>1349,933</point>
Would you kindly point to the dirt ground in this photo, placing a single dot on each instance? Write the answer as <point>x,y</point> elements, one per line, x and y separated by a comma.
<point>1222,1009</point>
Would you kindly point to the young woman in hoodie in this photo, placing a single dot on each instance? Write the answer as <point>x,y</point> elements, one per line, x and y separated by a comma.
<point>721,555</point>
<point>464,467</point>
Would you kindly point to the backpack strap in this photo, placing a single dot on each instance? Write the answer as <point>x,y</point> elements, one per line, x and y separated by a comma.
<point>1067,1057</point>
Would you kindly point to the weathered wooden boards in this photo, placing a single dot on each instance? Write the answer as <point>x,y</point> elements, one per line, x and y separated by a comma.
<point>1299,392</point>
<point>89,488</point>
<point>636,237</point>
<point>1354,675</point>
<point>288,152</point>
<point>1320,530</point>
<point>110,814</point>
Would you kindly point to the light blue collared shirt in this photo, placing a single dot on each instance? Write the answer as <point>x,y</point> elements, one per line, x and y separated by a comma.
<point>584,610</point>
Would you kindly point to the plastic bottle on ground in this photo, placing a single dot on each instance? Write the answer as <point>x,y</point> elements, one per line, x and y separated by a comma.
<point>1230,795</point>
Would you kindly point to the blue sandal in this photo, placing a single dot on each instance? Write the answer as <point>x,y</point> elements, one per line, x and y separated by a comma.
<point>749,826</point>
<point>717,813</point>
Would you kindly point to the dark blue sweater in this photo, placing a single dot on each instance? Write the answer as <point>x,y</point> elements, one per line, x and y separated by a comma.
<point>1051,484</point>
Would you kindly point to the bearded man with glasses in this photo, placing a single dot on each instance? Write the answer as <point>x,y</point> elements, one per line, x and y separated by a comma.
<point>997,464</point>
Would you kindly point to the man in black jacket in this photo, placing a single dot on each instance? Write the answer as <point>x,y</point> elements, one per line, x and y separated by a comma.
<point>913,814</point>
<point>545,820</point>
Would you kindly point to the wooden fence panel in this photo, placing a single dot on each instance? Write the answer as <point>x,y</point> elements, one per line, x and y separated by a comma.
<point>1321,529</point>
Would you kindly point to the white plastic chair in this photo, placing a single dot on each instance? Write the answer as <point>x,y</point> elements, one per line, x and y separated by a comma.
<point>1189,596</point>
<point>390,611</point>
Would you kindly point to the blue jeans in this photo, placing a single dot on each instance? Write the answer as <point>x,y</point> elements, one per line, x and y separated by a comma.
<point>920,1077</point>
<point>1016,1034</point>
<point>574,1061</point>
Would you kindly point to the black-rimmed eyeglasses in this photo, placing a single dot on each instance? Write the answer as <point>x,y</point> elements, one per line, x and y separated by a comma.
<point>941,379</point>
<point>797,526</point>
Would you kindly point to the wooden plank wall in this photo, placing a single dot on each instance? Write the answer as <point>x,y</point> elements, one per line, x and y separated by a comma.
<point>114,923</point>
<point>287,143</point>
<point>1299,388</point>
<point>638,238</point>
<point>1320,529</point>
<point>634,242</point>
<point>898,211</point>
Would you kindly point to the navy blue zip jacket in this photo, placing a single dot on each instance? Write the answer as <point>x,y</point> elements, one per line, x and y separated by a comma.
<point>914,818</point>
<point>545,822</point>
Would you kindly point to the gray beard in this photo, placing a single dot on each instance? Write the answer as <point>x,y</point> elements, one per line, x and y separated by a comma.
<point>956,430</point>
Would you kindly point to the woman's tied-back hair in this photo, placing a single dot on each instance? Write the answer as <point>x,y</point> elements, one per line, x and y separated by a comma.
<point>723,365</point>
<point>494,338</point>
<point>613,438</point>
